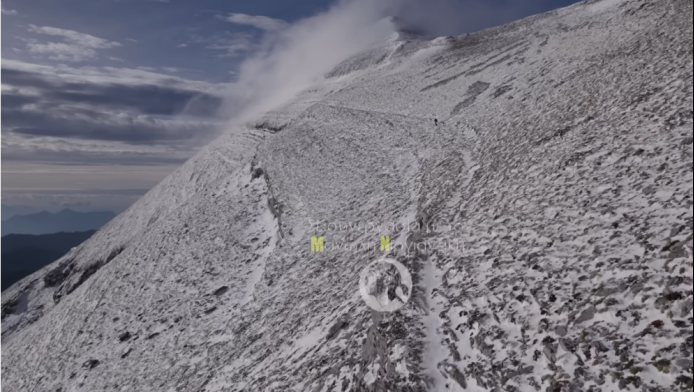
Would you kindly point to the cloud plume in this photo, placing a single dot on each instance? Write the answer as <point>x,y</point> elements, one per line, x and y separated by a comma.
<point>289,61</point>
<point>291,58</point>
<point>257,21</point>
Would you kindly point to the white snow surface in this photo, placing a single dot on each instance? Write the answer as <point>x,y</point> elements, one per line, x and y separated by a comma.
<point>561,165</point>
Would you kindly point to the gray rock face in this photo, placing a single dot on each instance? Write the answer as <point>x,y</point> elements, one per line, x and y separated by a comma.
<point>511,215</point>
<point>561,330</point>
<point>586,315</point>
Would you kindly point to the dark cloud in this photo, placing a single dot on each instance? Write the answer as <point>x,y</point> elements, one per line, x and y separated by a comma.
<point>144,99</point>
<point>14,101</point>
<point>19,78</point>
<point>94,125</point>
<point>77,157</point>
<point>40,104</point>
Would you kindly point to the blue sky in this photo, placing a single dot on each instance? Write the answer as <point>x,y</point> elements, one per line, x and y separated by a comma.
<point>198,38</point>
<point>101,99</point>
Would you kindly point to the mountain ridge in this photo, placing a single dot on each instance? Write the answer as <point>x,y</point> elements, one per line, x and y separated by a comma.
<point>9,211</point>
<point>561,161</point>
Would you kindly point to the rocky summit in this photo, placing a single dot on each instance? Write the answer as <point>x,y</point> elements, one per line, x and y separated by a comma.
<point>535,179</point>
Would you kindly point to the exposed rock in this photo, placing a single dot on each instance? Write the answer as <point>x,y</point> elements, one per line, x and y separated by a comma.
<point>586,315</point>
<point>221,291</point>
<point>336,328</point>
<point>90,364</point>
<point>561,330</point>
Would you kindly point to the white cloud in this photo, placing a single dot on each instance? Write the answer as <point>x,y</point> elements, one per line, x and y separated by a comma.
<point>78,46</point>
<point>233,46</point>
<point>295,57</point>
<point>292,58</point>
<point>257,21</point>
<point>75,37</point>
<point>62,51</point>
<point>84,115</point>
<point>111,75</point>
<point>9,12</point>
<point>229,44</point>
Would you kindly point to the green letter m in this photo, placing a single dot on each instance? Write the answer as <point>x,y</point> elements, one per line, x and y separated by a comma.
<point>316,244</point>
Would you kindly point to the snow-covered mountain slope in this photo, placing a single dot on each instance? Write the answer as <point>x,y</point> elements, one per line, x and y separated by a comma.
<point>556,187</point>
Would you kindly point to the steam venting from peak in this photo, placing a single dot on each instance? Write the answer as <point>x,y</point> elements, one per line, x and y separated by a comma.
<point>290,60</point>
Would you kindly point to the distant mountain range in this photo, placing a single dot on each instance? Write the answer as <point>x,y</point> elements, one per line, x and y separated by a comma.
<point>45,222</point>
<point>23,254</point>
<point>10,211</point>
